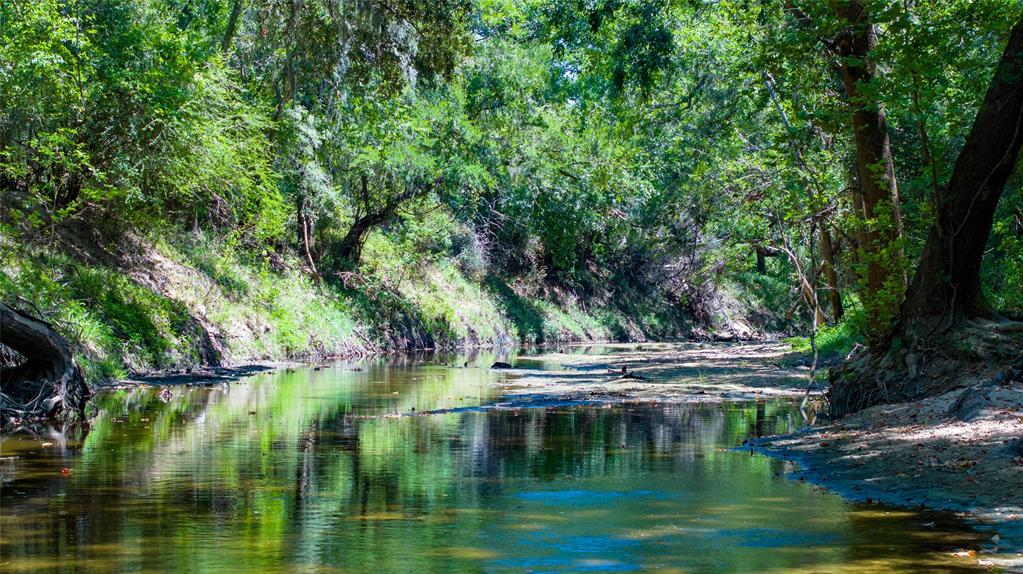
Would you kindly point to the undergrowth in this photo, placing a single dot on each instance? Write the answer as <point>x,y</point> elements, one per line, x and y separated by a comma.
<point>835,340</point>
<point>155,309</point>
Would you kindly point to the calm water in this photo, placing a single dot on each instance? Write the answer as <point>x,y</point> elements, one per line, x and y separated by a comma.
<point>311,470</point>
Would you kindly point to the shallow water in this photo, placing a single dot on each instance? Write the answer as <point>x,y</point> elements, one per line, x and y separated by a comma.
<point>324,470</point>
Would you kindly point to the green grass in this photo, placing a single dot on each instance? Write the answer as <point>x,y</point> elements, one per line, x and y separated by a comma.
<point>832,340</point>
<point>263,314</point>
<point>114,324</point>
<point>154,316</point>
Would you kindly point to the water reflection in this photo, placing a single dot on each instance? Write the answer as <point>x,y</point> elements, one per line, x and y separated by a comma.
<point>327,470</point>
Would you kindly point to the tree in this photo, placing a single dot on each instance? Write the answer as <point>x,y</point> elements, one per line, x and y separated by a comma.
<point>47,382</point>
<point>946,285</point>
<point>876,190</point>
<point>946,292</point>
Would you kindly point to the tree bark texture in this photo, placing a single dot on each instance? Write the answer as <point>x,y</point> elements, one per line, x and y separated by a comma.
<point>885,274</point>
<point>48,382</point>
<point>946,285</point>
<point>830,276</point>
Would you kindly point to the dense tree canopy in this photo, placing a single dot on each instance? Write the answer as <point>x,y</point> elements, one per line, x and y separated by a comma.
<point>801,149</point>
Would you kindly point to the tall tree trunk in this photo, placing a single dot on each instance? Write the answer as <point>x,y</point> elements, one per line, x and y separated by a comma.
<point>830,277</point>
<point>232,26</point>
<point>947,280</point>
<point>946,288</point>
<point>885,280</point>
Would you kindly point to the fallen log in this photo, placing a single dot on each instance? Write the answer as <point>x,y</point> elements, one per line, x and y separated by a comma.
<point>47,383</point>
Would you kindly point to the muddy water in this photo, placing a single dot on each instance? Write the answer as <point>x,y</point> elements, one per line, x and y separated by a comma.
<point>329,470</point>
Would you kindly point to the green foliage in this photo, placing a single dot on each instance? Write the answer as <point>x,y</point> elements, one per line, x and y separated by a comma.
<point>117,324</point>
<point>263,314</point>
<point>1002,270</point>
<point>468,171</point>
<point>832,340</point>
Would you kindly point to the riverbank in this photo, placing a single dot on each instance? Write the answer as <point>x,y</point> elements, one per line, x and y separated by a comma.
<point>960,452</point>
<point>174,304</point>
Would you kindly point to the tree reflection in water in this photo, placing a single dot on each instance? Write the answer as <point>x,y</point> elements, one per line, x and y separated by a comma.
<point>312,469</point>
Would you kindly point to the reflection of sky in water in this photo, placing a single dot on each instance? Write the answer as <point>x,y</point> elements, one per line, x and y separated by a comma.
<point>583,497</point>
<point>311,469</point>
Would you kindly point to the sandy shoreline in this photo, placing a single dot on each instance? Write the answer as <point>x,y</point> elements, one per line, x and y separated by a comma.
<point>932,454</point>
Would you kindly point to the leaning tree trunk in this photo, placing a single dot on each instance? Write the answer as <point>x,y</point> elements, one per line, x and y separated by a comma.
<point>946,287</point>
<point>47,383</point>
<point>936,346</point>
<point>349,250</point>
<point>885,280</point>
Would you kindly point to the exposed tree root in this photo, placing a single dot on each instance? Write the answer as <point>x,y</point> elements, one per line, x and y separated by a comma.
<point>46,383</point>
<point>973,352</point>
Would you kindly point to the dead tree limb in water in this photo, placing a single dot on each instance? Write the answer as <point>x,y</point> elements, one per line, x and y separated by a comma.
<point>48,383</point>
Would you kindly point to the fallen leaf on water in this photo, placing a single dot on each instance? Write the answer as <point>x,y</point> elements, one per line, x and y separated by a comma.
<point>965,553</point>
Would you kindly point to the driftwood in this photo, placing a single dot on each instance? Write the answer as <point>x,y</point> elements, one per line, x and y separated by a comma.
<point>625,373</point>
<point>47,383</point>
